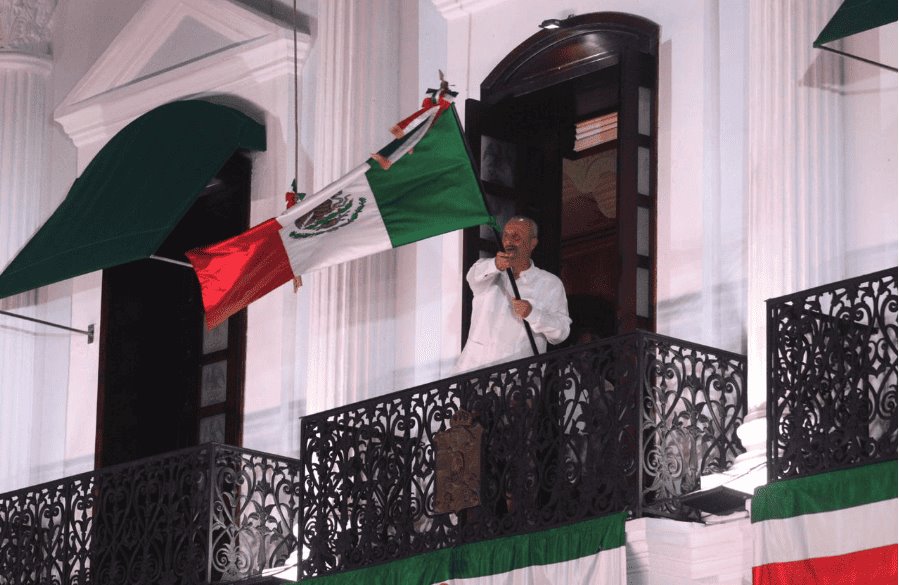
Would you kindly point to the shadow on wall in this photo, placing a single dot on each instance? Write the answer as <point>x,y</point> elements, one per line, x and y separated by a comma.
<point>282,12</point>
<point>275,430</point>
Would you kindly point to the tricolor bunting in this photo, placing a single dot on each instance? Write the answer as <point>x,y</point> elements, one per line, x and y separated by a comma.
<point>592,551</point>
<point>827,529</point>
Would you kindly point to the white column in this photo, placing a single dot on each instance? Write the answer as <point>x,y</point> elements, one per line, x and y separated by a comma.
<point>795,203</point>
<point>24,73</point>
<point>351,309</point>
<point>795,209</point>
<point>723,298</point>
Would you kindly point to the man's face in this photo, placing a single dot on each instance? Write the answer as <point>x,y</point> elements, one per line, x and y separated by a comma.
<point>517,239</point>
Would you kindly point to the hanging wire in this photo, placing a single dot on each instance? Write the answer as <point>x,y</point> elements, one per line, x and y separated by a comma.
<point>296,106</point>
<point>297,280</point>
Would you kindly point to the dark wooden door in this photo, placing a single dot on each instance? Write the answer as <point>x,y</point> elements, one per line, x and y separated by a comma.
<point>515,148</point>
<point>164,381</point>
<point>596,204</point>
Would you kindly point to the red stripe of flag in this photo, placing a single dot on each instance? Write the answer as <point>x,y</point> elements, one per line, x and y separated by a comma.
<point>875,566</point>
<point>236,272</point>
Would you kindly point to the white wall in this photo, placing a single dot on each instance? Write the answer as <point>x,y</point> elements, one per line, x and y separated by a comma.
<point>73,53</point>
<point>47,417</point>
<point>265,94</point>
<point>278,359</point>
<point>428,318</point>
<point>702,237</point>
<point>705,284</point>
<point>23,129</point>
<point>870,164</point>
<point>68,415</point>
<point>701,137</point>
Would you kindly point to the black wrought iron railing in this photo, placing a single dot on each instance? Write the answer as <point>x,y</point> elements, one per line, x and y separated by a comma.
<point>832,376</point>
<point>630,422</point>
<point>202,515</point>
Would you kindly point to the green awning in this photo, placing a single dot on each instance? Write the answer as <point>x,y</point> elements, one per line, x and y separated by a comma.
<point>855,16</point>
<point>133,192</point>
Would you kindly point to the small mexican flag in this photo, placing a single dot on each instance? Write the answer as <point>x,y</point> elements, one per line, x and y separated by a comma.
<point>592,551</point>
<point>827,529</point>
<point>397,197</point>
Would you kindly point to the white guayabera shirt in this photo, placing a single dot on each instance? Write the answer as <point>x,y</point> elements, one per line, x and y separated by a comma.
<point>497,334</point>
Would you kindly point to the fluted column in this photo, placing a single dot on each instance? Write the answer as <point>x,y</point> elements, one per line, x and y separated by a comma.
<point>795,194</point>
<point>351,308</point>
<point>24,74</point>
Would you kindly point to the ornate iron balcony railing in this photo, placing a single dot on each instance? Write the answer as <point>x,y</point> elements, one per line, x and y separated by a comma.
<point>832,376</point>
<point>202,515</point>
<point>630,422</point>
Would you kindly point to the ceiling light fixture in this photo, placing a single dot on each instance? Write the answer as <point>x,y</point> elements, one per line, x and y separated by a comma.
<point>550,23</point>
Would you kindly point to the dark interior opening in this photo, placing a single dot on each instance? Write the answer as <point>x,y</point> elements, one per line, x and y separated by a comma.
<point>152,336</point>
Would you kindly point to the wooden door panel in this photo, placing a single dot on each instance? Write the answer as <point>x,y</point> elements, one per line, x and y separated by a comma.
<point>600,240</point>
<point>152,356</point>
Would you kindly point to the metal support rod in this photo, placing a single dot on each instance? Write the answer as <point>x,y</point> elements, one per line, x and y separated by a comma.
<point>857,58</point>
<point>89,332</point>
<point>170,260</point>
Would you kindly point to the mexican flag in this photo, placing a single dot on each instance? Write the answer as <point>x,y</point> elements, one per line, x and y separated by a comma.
<point>827,529</point>
<point>587,552</point>
<point>418,186</point>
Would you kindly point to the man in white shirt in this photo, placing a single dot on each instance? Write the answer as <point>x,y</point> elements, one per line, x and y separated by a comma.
<point>497,332</point>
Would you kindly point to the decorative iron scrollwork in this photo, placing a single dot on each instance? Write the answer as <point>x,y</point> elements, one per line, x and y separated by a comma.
<point>629,422</point>
<point>202,515</point>
<point>832,376</point>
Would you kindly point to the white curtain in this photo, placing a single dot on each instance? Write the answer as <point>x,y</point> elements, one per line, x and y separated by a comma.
<point>23,130</point>
<point>795,216</point>
<point>350,326</point>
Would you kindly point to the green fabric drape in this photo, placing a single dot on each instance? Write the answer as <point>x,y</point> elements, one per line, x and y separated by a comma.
<point>133,192</point>
<point>492,557</point>
<point>855,16</point>
<point>826,492</point>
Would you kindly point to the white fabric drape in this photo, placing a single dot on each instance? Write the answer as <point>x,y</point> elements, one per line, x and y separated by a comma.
<point>23,133</point>
<point>351,308</point>
<point>795,194</point>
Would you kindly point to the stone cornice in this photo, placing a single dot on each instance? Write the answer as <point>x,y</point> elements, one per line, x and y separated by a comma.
<point>11,61</point>
<point>252,49</point>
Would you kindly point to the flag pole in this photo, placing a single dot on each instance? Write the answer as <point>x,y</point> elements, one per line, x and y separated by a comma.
<point>527,326</point>
<point>496,234</point>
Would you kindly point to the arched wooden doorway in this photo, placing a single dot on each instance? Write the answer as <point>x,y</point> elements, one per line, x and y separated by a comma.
<point>165,381</point>
<point>565,132</point>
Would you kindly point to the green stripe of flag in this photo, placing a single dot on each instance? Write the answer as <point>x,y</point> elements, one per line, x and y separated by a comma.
<point>540,548</point>
<point>492,557</point>
<point>432,190</point>
<point>825,492</point>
